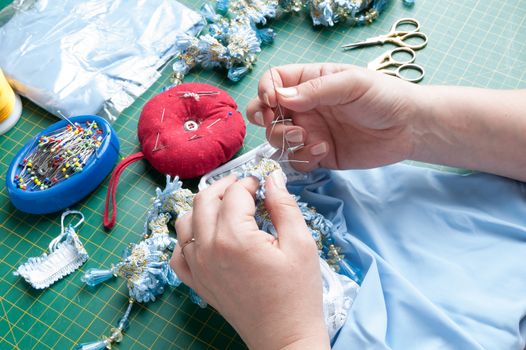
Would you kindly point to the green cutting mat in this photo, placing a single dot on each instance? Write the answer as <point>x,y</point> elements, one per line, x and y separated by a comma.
<point>477,43</point>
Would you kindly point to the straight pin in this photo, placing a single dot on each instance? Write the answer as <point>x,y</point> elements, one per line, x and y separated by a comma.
<point>275,121</point>
<point>158,149</point>
<point>156,142</point>
<point>67,119</point>
<point>202,93</point>
<point>217,120</point>
<point>293,161</point>
<point>158,132</point>
<point>295,148</point>
<point>194,137</point>
<point>196,95</point>
<point>280,118</point>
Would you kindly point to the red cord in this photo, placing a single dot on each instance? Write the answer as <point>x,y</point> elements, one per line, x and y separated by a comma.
<point>112,188</point>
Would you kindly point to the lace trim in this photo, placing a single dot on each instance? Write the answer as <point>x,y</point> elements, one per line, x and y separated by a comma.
<point>64,258</point>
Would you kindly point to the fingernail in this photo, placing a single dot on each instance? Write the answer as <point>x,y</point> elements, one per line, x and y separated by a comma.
<point>278,179</point>
<point>287,92</point>
<point>295,136</point>
<point>258,118</point>
<point>319,149</point>
<point>266,99</point>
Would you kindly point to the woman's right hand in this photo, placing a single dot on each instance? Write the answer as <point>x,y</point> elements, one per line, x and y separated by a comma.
<point>346,117</point>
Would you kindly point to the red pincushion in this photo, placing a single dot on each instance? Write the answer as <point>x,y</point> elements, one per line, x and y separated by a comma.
<point>173,149</point>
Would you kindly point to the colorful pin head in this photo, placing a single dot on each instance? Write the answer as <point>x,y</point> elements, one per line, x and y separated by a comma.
<point>62,164</point>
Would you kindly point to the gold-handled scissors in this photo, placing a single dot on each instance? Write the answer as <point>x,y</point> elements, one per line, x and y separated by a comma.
<point>395,36</point>
<point>388,59</point>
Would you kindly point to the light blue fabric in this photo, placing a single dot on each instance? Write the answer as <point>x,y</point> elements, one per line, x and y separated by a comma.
<point>443,256</point>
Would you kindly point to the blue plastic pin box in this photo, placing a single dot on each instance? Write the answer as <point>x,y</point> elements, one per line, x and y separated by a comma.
<point>72,189</point>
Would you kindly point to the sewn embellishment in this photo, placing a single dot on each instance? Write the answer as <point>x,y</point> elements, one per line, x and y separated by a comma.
<point>145,265</point>
<point>146,270</point>
<point>237,30</point>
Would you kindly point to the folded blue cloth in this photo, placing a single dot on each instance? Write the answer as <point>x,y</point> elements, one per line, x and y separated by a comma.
<point>442,254</point>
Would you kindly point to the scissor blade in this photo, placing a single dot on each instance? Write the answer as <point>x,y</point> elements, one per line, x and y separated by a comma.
<point>352,46</point>
<point>369,42</point>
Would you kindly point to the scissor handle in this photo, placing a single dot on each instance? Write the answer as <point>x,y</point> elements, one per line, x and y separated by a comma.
<point>393,60</point>
<point>401,41</point>
<point>394,36</point>
<point>388,59</point>
<point>394,29</point>
<point>410,66</point>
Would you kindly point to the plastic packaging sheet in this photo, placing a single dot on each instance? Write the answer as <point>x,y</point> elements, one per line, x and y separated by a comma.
<point>75,57</point>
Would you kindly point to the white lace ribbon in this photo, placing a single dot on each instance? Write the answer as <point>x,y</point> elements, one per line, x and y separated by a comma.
<point>66,254</point>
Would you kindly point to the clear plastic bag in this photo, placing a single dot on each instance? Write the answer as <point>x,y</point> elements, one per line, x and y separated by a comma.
<point>76,57</point>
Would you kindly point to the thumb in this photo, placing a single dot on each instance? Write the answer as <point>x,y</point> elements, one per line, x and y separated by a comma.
<point>285,213</point>
<point>326,90</point>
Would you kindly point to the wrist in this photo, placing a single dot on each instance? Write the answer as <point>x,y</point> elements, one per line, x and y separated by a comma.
<point>425,123</point>
<point>312,335</point>
<point>315,342</point>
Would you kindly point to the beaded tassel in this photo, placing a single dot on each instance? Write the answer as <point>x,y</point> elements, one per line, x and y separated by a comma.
<point>236,30</point>
<point>231,43</point>
<point>94,277</point>
<point>116,333</point>
<point>145,265</point>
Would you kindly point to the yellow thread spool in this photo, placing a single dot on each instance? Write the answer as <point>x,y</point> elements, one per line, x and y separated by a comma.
<point>10,105</point>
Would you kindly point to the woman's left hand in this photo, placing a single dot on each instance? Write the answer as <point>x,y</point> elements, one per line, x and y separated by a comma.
<point>268,289</point>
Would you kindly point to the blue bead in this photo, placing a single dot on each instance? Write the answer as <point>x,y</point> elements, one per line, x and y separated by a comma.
<point>347,270</point>
<point>409,3</point>
<point>361,21</point>
<point>124,324</point>
<point>196,299</point>
<point>236,73</point>
<point>93,277</point>
<point>98,345</point>
<point>379,5</point>
<point>180,66</point>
